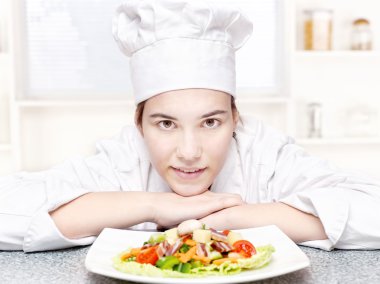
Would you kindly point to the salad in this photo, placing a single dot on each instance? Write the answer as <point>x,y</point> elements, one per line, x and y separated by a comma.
<point>191,250</point>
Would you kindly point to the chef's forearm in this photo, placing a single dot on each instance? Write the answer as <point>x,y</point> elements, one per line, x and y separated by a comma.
<point>298,225</point>
<point>90,213</point>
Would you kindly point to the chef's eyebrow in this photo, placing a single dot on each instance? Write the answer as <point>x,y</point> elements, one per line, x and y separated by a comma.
<point>162,115</point>
<point>215,112</point>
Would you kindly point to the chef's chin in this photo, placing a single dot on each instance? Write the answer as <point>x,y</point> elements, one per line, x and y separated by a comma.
<point>188,190</point>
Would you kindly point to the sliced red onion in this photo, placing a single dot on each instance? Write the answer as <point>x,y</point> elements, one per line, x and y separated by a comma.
<point>221,246</point>
<point>217,236</point>
<point>201,250</point>
<point>173,249</point>
<point>163,248</point>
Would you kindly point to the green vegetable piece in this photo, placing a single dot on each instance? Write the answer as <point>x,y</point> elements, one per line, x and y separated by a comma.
<point>160,262</point>
<point>167,262</point>
<point>156,238</point>
<point>178,267</point>
<point>132,258</point>
<point>186,268</point>
<point>184,248</point>
<point>196,263</point>
<point>182,267</point>
<point>215,255</point>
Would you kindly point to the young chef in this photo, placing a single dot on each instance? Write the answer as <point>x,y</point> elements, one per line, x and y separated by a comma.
<point>190,155</point>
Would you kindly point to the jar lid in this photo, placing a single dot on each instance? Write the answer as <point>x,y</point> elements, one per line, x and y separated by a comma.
<point>361,21</point>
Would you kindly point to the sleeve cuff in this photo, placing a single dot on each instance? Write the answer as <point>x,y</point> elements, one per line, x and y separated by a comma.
<point>43,235</point>
<point>320,244</point>
<point>329,206</point>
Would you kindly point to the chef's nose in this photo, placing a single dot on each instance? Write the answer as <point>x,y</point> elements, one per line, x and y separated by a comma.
<point>189,146</point>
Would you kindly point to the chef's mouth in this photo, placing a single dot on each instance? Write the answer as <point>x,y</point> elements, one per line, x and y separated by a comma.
<point>188,170</point>
<point>190,173</point>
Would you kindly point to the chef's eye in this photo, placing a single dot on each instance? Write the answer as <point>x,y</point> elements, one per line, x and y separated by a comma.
<point>211,123</point>
<point>166,124</point>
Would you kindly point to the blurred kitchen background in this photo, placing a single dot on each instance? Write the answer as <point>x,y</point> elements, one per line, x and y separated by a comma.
<point>311,69</point>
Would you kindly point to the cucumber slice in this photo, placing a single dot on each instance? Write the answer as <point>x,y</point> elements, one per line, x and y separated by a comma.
<point>196,263</point>
<point>157,238</point>
<point>215,255</point>
<point>167,262</point>
<point>186,268</point>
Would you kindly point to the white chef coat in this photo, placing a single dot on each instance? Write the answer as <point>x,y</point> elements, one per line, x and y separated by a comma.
<point>262,165</point>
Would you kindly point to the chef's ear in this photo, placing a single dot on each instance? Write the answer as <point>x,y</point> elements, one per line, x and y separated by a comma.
<point>139,127</point>
<point>236,117</point>
<point>235,112</point>
<point>139,117</point>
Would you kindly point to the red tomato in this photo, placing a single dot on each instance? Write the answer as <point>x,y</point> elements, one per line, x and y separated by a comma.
<point>245,248</point>
<point>226,232</point>
<point>148,255</point>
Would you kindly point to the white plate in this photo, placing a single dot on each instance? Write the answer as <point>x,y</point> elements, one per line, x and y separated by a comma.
<point>287,258</point>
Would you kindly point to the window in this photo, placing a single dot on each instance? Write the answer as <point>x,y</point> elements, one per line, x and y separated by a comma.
<point>70,50</point>
<point>258,63</point>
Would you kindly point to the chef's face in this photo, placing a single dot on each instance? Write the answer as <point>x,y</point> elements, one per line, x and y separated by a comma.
<point>188,133</point>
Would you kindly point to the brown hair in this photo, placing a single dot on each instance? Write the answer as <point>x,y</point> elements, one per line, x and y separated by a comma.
<point>140,110</point>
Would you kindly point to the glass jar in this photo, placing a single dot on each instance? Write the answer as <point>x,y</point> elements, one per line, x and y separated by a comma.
<point>361,37</point>
<point>318,29</point>
<point>315,120</point>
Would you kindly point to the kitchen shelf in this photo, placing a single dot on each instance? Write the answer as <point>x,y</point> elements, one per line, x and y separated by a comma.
<point>338,141</point>
<point>337,54</point>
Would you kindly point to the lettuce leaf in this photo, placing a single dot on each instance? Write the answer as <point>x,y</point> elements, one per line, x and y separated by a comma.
<point>259,260</point>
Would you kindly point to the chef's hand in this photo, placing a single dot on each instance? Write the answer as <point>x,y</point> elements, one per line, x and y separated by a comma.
<point>170,209</point>
<point>222,220</point>
<point>298,225</point>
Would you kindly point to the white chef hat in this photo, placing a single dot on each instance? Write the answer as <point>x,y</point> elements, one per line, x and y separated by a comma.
<point>179,44</point>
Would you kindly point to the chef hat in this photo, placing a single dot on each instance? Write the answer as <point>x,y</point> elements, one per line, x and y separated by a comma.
<point>179,44</point>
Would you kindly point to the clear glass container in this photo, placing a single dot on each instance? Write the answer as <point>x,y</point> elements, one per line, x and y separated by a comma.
<point>315,120</point>
<point>361,36</point>
<point>318,29</point>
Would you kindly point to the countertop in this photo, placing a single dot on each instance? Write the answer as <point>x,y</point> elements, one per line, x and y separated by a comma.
<point>67,266</point>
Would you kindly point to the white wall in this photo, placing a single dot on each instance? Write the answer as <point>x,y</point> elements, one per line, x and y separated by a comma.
<point>51,134</point>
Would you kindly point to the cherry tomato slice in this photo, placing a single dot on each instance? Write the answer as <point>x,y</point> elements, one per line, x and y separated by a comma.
<point>147,256</point>
<point>226,232</point>
<point>245,248</point>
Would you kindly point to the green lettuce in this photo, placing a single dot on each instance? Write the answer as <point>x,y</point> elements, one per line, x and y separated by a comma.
<point>259,260</point>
